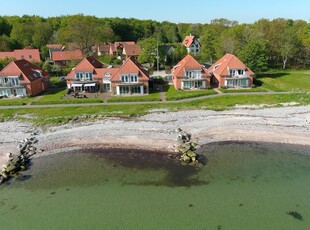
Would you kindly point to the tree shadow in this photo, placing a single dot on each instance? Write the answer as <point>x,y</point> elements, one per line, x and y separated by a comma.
<point>271,75</point>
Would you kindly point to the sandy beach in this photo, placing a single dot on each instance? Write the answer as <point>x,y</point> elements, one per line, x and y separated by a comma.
<point>157,130</point>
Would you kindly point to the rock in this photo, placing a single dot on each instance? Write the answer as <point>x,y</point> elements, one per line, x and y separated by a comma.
<point>186,158</point>
<point>191,154</point>
<point>10,168</point>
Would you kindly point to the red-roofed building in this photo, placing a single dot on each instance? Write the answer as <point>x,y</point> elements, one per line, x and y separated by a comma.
<point>230,72</point>
<point>62,57</point>
<point>91,75</point>
<point>54,48</point>
<point>116,48</point>
<point>192,45</point>
<point>32,55</point>
<point>86,76</point>
<point>131,78</point>
<point>131,50</point>
<point>21,78</point>
<point>189,74</point>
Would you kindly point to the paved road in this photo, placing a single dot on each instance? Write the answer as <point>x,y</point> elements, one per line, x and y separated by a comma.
<point>139,102</point>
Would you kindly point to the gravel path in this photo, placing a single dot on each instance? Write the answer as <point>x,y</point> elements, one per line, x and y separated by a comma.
<point>158,130</point>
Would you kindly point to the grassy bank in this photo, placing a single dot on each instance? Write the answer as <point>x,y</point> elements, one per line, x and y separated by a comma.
<point>44,116</point>
<point>173,95</point>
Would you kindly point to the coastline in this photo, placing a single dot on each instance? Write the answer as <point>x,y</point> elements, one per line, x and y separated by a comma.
<point>158,130</point>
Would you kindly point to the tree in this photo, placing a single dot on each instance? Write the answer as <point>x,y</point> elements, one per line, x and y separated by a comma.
<point>210,50</point>
<point>80,29</point>
<point>5,27</point>
<point>148,51</point>
<point>254,55</point>
<point>179,53</point>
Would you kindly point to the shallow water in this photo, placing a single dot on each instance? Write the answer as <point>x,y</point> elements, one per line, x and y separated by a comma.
<point>242,186</point>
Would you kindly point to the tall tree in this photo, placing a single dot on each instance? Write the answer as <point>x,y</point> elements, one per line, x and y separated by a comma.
<point>254,55</point>
<point>82,30</point>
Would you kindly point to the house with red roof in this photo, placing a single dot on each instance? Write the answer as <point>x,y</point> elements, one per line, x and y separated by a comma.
<point>101,49</point>
<point>192,45</point>
<point>92,76</point>
<point>131,78</point>
<point>131,50</point>
<point>63,57</point>
<point>86,76</point>
<point>116,48</point>
<point>230,72</point>
<point>22,78</point>
<point>54,48</point>
<point>32,55</point>
<point>189,74</point>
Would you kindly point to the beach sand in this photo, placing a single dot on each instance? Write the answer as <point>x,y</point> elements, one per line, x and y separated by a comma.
<point>158,130</point>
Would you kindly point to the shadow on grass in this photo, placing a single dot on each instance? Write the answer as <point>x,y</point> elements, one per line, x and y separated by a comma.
<point>53,91</point>
<point>271,75</point>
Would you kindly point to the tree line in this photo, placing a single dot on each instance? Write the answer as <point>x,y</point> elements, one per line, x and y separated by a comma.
<point>277,43</point>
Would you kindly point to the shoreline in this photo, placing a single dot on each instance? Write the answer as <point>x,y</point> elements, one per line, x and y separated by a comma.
<point>158,130</point>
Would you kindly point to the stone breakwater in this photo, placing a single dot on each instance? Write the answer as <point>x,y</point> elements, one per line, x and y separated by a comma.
<point>19,161</point>
<point>187,148</point>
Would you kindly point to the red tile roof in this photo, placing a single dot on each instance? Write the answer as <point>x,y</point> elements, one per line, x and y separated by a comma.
<point>92,65</point>
<point>188,63</point>
<point>55,46</point>
<point>188,41</point>
<point>23,67</point>
<point>132,50</point>
<point>67,55</point>
<point>32,55</point>
<point>130,66</point>
<point>228,61</point>
<point>89,64</point>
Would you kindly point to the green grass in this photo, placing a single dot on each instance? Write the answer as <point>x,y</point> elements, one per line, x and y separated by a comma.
<point>18,101</point>
<point>286,80</point>
<point>173,95</point>
<point>245,90</point>
<point>54,96</point>
<point>153,96</point>
<point>48,116</point>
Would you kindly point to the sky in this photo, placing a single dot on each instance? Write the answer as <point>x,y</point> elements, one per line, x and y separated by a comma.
<point>177,11</point>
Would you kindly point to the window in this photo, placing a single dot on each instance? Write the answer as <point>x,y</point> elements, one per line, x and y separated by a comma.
<point>135,90</point>
<point>240,71</point>
<point>30,56</point>
<point>22,57</point>
<point>106,87</point>
<point>129,78</point>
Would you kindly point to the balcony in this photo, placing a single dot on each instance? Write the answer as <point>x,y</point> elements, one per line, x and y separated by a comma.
<point>239,76</point>
<point>7,85</point>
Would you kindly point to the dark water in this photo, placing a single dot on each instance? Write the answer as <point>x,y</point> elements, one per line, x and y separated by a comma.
<point>242,186</point>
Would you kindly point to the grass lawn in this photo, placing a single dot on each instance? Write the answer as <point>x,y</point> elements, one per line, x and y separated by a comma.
<point>153,96</point>
<point>17,101</point>
<point>245,90</point>
<point>47,116</point>
<point>172,94</point>
<point>54,96</point>
<point>286,80</point>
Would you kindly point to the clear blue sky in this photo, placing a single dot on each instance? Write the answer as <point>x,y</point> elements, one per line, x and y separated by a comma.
<point>195,11</point>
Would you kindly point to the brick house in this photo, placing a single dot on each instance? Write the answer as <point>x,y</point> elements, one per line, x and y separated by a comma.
<point>63,57</point>
<point>230,72</point>
<point>189,74</point>
<point>22,78</point>
<point>32,55</point>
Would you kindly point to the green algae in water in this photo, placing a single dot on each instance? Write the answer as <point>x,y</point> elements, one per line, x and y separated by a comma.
<point>243,186</point>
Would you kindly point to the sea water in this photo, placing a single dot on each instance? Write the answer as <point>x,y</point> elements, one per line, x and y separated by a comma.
<point>241,186</point>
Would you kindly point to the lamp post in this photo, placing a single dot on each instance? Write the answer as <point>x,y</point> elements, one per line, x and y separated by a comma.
<point>157,57</point>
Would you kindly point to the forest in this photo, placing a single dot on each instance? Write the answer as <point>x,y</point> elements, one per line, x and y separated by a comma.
<point>264,44</point>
